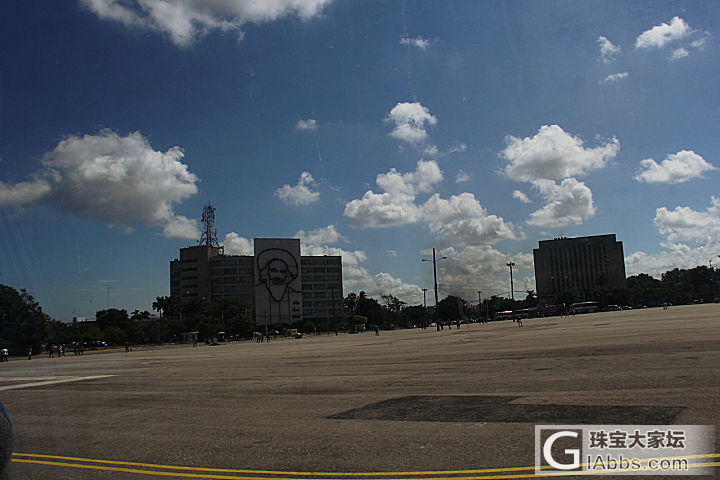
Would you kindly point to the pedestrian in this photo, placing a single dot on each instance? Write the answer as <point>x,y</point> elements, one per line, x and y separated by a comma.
<point>377,330</point>
<point>127,347</point>
<point>519,321</point>
<point>29,352</point>
<point>51,351</point>
<point>4,355</point>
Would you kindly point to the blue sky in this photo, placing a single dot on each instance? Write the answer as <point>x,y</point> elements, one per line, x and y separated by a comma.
<point>373,129</point>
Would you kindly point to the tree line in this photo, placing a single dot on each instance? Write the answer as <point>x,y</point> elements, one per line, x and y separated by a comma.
<point>24,324</point>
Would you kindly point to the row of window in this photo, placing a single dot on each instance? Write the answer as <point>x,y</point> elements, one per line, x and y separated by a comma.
<point>320,286</point>
<point>320,269</point>
<point>321,278</point>
<point>218,289</point>
<point>320,261</point>
<point>230,261</point>
<point>232,271</point>
<point>243,280</point>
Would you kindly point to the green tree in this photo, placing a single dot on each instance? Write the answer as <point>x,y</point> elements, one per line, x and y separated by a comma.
<point>161,305</point>
<point>415,316</point>
<point>22,321</point>
<point>451,308</point>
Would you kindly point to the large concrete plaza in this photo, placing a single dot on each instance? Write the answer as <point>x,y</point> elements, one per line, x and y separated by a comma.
<point>404,401</point>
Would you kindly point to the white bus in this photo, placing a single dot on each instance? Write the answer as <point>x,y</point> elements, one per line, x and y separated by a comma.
<point>585,307</point>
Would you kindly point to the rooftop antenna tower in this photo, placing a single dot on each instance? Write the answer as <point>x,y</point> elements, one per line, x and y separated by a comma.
<point>209,234</point>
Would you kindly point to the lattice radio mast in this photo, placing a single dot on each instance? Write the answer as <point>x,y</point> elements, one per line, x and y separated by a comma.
<point>209,234</point>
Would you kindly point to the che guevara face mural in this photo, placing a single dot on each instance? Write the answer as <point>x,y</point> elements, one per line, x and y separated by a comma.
<point>277,269</point>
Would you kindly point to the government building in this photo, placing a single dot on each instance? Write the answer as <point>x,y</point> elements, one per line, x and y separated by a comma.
<point>277,282</point>
<point>582,266</point>
<point>280,285</point>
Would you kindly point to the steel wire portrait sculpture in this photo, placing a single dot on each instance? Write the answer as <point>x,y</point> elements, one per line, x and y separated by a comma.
<point>277,270</point>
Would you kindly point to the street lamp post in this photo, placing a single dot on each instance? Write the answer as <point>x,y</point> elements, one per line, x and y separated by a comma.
<point>434,261</point>
<point>512,291</point>
<point>424,290</point>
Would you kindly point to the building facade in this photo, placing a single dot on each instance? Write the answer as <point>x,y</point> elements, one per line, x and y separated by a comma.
<point>582,267</point>
<point>280,285</point>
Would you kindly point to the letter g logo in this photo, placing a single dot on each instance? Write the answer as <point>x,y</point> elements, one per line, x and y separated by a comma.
<point>547,451</point>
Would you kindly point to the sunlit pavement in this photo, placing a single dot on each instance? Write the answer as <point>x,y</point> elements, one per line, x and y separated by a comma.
<point>406,403</point>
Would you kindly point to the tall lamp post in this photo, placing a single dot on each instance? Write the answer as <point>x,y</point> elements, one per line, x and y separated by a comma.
<point>434,262</point>
<point>512,291</point>
<point>424,290</point>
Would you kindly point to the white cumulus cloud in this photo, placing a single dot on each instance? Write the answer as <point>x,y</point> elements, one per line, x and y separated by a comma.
<point>308,125</point>
<point>608,51</point>
<point>426,174</point>
<point>462,177</point>
<point>182,227</point>
<point>615,77</point>
<point>570,201</point>
<point>234,244</point>
<point>462,220</point>
<point>553,154</point>
<point>684,224</point>
<point>679,53</point>
<point>483,268</point>
<point>396,206</point>
<point>300,194</point>
<point>23,193</point>
<point>120,181</point>
<point>320,236</point>
<point>183,21</point>
<point>660,35</point>
<point>410,121</point>
<point>676,168</point>
<point>691,238</point>
<point>383,210</point>
<point>521,196</point>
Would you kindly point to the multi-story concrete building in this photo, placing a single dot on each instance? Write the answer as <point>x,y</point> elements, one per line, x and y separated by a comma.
<point>279,285</point>
<point>581,266</point>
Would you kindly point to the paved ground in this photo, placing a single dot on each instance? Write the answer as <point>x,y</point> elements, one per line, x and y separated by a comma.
<point>404,401</point>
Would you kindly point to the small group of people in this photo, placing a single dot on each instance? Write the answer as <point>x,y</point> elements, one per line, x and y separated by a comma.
<point>260,338</point>
<point>128,347</point>
<point>58,350</point>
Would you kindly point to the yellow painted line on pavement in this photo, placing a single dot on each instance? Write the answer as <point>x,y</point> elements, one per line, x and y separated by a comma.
<point>278,475</point>
<point>233,477</point>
